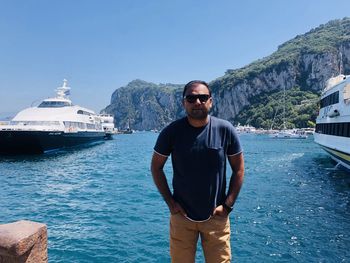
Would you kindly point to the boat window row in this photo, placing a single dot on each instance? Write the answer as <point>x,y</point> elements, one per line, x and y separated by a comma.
<point>94,126</point>
<point>74,124</point>
<point>81,125</point>
<point>54,104</point>
<point>107,120</point>
<point>330,99</point>
<point>83,112</point>
<point>35,123</point>
<point>337,129</point>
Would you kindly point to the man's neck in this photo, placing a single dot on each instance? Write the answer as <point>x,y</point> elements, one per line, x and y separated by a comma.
<point>198,123</point>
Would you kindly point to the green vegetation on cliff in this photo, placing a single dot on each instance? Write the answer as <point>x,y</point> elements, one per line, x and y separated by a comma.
<point>266,110</point>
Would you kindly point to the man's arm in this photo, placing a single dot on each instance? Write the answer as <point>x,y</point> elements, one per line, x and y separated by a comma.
<point>157,165</point>
<point>237,166</point>
<point>236,181</point>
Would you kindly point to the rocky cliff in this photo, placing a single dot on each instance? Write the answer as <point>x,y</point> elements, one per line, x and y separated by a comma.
<point>144,105</point>
<point>306,61</point>
<point>308,71</point>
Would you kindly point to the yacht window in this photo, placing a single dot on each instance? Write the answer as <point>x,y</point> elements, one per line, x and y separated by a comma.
<point>330,99</point>
<point>90,126</point>
<point>346,92</point>
<point>83,112</point>
<point>337,129</point>
<point>346,130</point>
<point>53,104</point>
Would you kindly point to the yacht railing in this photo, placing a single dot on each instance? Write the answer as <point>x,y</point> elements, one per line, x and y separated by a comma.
<point>35,123</point>
<point>31,125</point>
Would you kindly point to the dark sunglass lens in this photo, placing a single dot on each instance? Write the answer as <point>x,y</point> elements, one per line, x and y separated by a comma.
<point>203,98</point>
<point>193,98</point>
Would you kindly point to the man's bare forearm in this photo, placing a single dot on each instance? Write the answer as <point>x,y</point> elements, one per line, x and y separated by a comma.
<point>161,183</point>
<point>236,181</point>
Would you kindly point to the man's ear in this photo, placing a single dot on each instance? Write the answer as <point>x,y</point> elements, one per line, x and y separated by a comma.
<point>211,102</point>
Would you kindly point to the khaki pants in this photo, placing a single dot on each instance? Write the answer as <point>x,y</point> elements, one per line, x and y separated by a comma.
<point>215,237</point>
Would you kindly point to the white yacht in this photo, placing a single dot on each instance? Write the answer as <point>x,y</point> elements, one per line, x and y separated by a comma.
<point>333,122</point>
<point>286,133</point>
<point>245,129</point>
<point>107,121</point>
<point>289,134</point>
<point>54,124</point>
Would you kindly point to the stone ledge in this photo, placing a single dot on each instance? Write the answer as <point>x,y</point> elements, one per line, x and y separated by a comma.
<point>23,241</point>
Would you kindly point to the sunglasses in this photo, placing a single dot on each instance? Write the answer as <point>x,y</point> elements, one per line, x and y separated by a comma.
<point>193,98</point>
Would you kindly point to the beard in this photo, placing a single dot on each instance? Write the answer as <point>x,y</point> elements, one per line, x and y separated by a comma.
<point>198,114</point>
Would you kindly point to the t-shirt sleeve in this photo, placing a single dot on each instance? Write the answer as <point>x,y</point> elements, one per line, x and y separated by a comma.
<point>234,144</point>
<point>163,144</point>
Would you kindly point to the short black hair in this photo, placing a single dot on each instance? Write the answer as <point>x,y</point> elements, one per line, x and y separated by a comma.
<point>195,83</point>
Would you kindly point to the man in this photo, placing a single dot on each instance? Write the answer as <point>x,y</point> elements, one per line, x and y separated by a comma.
<point>199,145</point>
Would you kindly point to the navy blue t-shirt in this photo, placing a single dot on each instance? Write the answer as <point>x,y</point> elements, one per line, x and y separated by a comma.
<point>199,163</point>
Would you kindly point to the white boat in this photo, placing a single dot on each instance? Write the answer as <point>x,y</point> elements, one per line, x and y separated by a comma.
<point>54,124</point>
<point>245,129</point>
<point>107,121</point>
<point>289,134</point>
<point>128,130</point>
<point>333,121</point>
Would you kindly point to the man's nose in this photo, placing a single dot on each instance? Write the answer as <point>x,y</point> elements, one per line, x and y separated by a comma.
<point>197,101</point>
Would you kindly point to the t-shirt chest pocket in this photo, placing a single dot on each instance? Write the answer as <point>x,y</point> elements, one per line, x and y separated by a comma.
<point>215,153</point>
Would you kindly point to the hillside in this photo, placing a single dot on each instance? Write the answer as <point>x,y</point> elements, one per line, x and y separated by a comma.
<point>300,65</point>
<point>145,105</point>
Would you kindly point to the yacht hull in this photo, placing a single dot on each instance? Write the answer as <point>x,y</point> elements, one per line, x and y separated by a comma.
<point>340,157</point>
<point>28,142</point>
<point>336,146</point>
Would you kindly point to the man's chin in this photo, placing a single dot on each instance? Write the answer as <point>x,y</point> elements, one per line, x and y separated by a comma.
<point>198,115</point>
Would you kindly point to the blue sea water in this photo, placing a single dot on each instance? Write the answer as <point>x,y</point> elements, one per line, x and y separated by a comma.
<point>100,203</point>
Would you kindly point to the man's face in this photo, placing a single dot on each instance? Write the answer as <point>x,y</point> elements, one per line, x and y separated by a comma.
<point>197,107</point>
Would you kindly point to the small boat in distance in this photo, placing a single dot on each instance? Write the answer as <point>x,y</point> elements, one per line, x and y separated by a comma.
<point>107,121</point>
<point>333,121</point>
<point>128,130</point>
<point>245,129</point>
<point>287,133</point>
<point>52,125</point>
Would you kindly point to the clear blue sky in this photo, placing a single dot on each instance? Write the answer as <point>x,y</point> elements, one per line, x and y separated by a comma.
<point>101,45</point>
